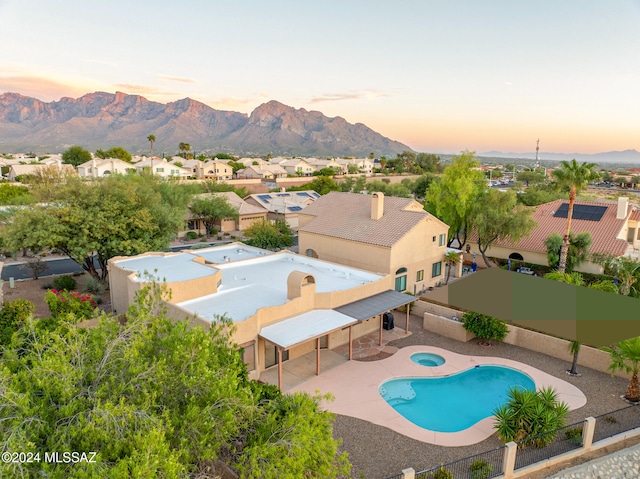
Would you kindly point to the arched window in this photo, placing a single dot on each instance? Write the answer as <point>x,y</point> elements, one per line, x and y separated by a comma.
<point>401,279</point>
<point>311,253</point>
<point>517,256</point>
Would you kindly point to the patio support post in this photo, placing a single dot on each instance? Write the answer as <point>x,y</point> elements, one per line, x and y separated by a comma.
<point>350,343</point>
<point>380,338</point>
<point>280,368</point>
<point>406,329</point>
<point>317,356</point>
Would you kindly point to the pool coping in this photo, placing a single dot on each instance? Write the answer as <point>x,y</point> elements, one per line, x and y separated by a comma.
<point>354,387</point>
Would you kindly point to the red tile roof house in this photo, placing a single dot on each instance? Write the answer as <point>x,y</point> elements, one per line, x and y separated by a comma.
<point>616,232</point>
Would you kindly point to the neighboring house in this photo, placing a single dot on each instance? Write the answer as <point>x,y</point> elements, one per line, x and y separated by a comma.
<point>20,170</point>
<point>265,172</point>
<point>247,215</point>
<point>283,305</point>
<point>298,167</point>
<point>216,169</point>
<point>97,168</point>
<point>284,205</point>
<point>191,165</point>
<point>614,229</point>
<point>252,161</point>
<point>161,167</point>
<point>382,234</point>
<point>335,165</point>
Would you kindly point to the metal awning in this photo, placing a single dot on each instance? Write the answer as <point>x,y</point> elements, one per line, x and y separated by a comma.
<point>366,308</point>
<point>305,327</point>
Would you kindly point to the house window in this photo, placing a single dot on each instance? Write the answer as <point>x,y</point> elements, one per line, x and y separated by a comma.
<point>401,281</point>
<point>420,275</point>
<point>249,355</point>
<point>443,240</point>
<point>436,269</point>
<point>159,170</point>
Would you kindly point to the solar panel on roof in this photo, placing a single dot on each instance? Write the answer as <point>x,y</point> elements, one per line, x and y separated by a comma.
<point>581,212</point>
<point>295,208</point>
<point>283,194</point>
<point>303,193</point>
<point>264,198</point>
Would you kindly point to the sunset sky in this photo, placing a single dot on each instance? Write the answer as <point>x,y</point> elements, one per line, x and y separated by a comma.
<point>440,76</point>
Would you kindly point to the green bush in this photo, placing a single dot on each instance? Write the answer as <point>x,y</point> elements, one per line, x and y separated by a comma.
<point>65,282</point>
<point>480,469</point>
<point>442,473</point>
<point>62,302</point>
<point>486,328</point>
<point>574,435</point>
<point>94,285</point>
<point>12,316</point>
<point>191,235</point>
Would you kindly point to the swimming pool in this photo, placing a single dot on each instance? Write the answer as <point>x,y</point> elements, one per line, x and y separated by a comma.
<point>456,402</point>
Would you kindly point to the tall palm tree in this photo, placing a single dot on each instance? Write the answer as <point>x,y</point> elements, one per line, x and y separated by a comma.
<point>151,139</point>
<point>574,176</point>
<point>625,356</point>
<point>574,348</point>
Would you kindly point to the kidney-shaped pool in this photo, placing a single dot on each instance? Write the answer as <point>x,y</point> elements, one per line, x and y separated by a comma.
<point>453,403</point>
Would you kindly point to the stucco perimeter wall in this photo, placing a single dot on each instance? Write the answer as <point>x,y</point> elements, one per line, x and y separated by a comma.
<point>436,319</point>
<point>122,290</point>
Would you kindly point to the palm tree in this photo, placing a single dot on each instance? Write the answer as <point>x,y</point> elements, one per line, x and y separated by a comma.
<point>625,356</point>
<point>184,148</point>
<point>575,177</point>
<point>451,258</point>
<point>574,348</point>
<point>151,139</point>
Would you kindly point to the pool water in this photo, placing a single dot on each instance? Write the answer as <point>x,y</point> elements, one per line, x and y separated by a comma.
<point>453,403</point>
<point>427,359</point>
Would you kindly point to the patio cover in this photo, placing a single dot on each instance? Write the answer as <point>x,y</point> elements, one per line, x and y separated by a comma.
<point>305,327</point>
<point>374,305</point>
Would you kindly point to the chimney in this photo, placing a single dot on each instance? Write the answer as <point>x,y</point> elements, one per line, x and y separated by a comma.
<point>282,189</point>
<point>377,205</point>
<point>623,204</point>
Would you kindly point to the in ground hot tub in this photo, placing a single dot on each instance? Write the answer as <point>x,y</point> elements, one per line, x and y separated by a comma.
<point>427,359</point>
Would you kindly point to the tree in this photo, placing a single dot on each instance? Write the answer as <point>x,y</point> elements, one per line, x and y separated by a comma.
<point>184,149</point>
<point>397,189</point>
<point>625,270</point>
<point>574,177</point>
<point>321,185</point>
<point>267,235</point>
<point>36,266</point>
<point>429,162</point>
<point>578,250</point>
<point>421,185</point>
<point>451,258</point>
<point>154,397</point>
<point>14,195</point>
<point>211,210</point>
<point>452,196</point>
<point>530,177</point>
<point>115,152</point>
<point>76,155</point>
<point>485,328</point>
<point>13,316</point>
<point>151,139</point>
<point>93,222</point>
<point>625,356</point>
<point>574,349</point>
<point>496,215</point>
<point>530,416</point>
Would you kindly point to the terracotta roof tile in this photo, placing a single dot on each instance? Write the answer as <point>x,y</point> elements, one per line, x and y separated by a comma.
<point>603,233</point>
<point>348,216</point>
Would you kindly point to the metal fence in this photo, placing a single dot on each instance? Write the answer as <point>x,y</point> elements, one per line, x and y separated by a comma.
<point>485,465</point>
<point>545,446</point>
<point>616,422</point>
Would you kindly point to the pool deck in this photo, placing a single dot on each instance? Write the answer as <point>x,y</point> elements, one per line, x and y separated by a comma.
<point>354,385</point>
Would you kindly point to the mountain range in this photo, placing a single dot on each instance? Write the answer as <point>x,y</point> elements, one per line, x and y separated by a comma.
<point>102,120</point>
<point>625,156</point>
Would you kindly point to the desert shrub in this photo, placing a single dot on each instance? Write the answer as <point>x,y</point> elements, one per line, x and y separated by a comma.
<point>480,469</point>
<point>442,473</point>
<point>485,328</point>
<point>530,417</point>
<point>574,435</point>
<point>94,285</point>
<point>61,302</point>
<point>12,316</point>
<point>46,286</point>
<point>191,235</point>
<point>64,282</point>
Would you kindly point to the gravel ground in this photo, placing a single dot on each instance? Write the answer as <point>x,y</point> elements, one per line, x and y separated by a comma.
<point>377,452</point>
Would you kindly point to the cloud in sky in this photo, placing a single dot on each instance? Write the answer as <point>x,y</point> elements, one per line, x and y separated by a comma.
<point>177,79</point>
<point>38,87</point>
<point>358,95</point>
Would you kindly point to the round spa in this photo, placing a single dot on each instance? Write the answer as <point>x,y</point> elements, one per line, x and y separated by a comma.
<point>427,359</point>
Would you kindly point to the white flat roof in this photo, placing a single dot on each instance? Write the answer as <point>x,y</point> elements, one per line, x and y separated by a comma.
<point>260,282</point>
<point>230,253</point>
<point>305,327</point>
<point>172,268</point>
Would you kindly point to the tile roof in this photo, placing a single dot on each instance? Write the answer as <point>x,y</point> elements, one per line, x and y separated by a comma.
<point>348,216</point>
<point>603,233</point>
<point>238,203</point>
